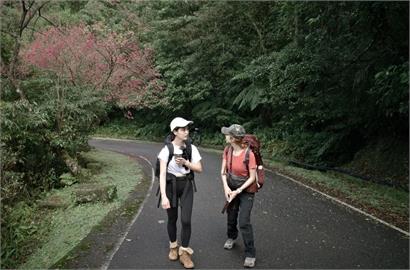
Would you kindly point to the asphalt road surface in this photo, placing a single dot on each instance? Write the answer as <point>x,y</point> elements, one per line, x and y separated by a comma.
<point>294,227</point>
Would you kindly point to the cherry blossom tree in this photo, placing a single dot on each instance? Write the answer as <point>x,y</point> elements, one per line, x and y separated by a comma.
<point>106,61</point>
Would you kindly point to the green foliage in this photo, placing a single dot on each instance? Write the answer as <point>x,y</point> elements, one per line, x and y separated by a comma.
<point>318,79</point>
<point>131,129</point>
<point>122,128</point>
<point>385,159</point>
<point>67,179</point>
<point>22,231</point>
<point>317,75</point>
<point>34,136</point>
<point>207,112</point>
<point>152,131</point>
<point>391,90</point>
<point>25,152</point>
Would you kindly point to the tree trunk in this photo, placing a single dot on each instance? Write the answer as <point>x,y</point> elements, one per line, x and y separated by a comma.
<point>27,14</point>
<point>12,69</point>
<point>71,163</point>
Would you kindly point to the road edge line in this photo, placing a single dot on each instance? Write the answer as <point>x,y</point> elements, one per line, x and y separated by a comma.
<point>121,240</point>
<point>342,203</point>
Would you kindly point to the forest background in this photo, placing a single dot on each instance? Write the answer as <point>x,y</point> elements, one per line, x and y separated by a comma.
<point>323,83</point>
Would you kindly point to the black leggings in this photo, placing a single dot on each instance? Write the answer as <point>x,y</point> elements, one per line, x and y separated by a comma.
<point>186,202</point>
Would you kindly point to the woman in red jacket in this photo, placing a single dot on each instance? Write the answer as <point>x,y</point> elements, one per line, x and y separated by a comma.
<point>239,185</point>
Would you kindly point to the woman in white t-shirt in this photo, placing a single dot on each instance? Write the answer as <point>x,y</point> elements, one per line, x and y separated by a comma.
<point>177,186</point>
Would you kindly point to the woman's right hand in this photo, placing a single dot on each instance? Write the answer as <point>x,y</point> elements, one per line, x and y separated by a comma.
<point>165,202</point>
<point>227,193</point>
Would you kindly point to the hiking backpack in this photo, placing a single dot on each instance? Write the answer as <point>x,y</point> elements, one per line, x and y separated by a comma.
<point>252,143</point>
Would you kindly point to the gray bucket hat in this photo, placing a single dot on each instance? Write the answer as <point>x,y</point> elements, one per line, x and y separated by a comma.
<point>234,130</point>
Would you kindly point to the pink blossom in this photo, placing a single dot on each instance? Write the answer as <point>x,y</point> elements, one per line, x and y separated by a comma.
<point>114,61</point>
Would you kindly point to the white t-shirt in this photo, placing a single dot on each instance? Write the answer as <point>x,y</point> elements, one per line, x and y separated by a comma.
<point>173,167</point>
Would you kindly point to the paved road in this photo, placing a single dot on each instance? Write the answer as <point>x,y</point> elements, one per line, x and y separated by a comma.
<point>294,227</point>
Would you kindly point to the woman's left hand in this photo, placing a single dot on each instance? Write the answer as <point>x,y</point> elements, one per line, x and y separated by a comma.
<point>232,195</point>
<point>180,161</point>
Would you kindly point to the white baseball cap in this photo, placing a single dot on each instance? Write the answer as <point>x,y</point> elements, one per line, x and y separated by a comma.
<point>179,122</point>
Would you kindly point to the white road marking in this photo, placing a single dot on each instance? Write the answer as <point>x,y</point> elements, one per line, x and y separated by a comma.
<point>343,203</point>
<point>121,240</point>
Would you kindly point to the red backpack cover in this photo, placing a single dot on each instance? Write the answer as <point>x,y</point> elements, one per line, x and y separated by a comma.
<point>252,142</point>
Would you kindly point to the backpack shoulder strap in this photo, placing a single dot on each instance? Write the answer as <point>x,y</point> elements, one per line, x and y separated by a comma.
<point>170,147</point>
<point>246,160</point>
<point>226,149</point>
<point>230,149</point>
<point>189,149</point>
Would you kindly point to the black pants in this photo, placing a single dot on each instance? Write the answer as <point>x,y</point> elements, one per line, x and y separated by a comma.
<point>242,206</point>
<point>185,201</point>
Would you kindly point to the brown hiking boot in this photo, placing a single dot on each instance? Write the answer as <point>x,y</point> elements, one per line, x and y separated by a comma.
<point>185,257</point>
<point>173,251</point>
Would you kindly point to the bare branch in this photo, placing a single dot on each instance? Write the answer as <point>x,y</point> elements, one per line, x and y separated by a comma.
<point>23,5</point>
<point>47,20</point>
<point>111,61</point>
<point>34,26</point>
<point>23,17</point>
<point>32,14</point>
<point>31,4</point>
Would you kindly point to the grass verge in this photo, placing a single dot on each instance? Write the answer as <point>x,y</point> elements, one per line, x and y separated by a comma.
<point>68,227</point>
